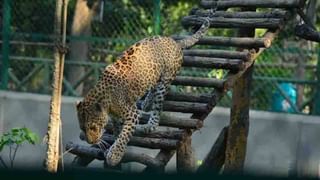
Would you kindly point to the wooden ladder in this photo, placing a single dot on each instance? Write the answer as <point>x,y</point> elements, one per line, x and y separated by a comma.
<point>177,139</point>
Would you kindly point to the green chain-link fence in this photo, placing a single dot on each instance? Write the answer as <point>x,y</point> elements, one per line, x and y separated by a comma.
<point>27,50</point>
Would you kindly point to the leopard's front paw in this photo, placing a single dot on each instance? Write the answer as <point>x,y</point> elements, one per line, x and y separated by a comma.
<point>113,157</point>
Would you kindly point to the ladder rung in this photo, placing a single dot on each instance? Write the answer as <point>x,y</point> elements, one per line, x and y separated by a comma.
<point>242,42</point>
<point>198,81</point>
<point>252,3</point>
<point>214,53</point>
<point>217,63</point>
<point>220,22</point>
<point>243,14</point>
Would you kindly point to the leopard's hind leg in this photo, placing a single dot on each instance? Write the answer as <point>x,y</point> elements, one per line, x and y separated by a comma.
<point>157,105</point>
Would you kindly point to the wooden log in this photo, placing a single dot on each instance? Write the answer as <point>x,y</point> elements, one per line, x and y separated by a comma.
<point>198,81</point>
<point>306,32</point>
<point>174,121</point>
<point>231,41</point>
<point>236,143</point>
<point>168,134</point>
<point>164,157</point>
<point>227,54</point>
<point>216,156</point>
<point>188,97</point>
<point>83,160</point>
<point>208,4</point>
<point>166,120</point>
<point>152,143</point>
<point>232,77</point>
<point>242,14</point>
<point>185,155</point>
<point>221,22</point>
<point>96,153</point>
<point>184,107</point>
<point>217,63</point>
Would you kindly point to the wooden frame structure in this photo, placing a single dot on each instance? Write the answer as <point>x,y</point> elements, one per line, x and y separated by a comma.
<point>230,147</point>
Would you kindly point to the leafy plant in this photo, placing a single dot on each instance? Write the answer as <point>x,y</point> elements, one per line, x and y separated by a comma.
<point>13,140</point>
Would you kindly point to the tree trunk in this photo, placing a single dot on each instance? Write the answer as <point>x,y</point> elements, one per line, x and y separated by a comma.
<point>55,104</point>
<point>85,11</point>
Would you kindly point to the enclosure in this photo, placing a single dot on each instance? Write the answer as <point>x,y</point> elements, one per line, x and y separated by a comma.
<point>278,71</point>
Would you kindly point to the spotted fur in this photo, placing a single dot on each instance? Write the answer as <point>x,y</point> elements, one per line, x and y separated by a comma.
<point>150,64</point>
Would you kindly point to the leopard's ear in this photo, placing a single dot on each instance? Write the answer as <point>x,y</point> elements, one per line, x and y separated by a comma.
<point>78,104</point>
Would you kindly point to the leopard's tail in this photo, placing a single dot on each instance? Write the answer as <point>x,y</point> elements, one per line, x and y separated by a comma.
<point>191,40</point>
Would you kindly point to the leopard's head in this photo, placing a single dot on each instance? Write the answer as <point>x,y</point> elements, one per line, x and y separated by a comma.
<point>92,120</point>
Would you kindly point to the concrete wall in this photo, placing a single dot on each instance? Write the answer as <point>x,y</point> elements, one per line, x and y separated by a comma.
<point>277,142</point>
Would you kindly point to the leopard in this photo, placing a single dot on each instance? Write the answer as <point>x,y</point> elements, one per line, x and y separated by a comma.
<point>149,65</point>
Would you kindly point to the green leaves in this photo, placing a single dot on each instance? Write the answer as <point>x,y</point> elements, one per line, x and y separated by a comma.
<point>18,136</point>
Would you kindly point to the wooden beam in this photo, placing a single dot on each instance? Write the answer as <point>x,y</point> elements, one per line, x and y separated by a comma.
<point>216,156</point>
<point>198,81</point>
<point>185,155</point>
<point>214,53</point>
<point>208,4</point>
<point>96,153</point>
<point>164,157</point>
<point>216,63</point>
<point>187,97</point>
<point>232,77</point>
<point>244,14</point>
<point>238,130</point>
<point>243,42</point>
<point>221,22</point>
<point>184,107</point>
<point>152,143</point>
<point>174,121</point>
<point>304,31</point>
<point>167,134</point>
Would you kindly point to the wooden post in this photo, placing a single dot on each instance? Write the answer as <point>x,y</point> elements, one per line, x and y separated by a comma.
<point>316,102</point>
<point>185,155</point>
<point>216,157</point>
<point>54,124</point>
<point>164,157</point>
<point>239,120</point>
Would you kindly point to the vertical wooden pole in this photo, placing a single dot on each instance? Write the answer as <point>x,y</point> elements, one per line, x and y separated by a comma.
<point>53,133</point>
<point>316,102</point>
<point>215,159</point>
<point>185,155</point>
<point>164,157</point>
<point>239,120</point>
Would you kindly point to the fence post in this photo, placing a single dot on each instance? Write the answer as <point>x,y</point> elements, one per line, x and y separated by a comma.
<point>316,102</point>
<point>156,16</point>
<point>6,43</point>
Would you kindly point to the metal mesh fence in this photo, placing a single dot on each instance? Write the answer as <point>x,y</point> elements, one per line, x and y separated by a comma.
<point>288,66</point>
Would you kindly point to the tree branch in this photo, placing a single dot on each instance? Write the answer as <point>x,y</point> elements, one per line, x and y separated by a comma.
<point>15,153</point>
<point>3,163</point>
<point>306,32</point>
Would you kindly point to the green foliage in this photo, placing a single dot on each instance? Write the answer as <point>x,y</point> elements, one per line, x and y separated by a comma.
<point>13,140</point>
<point>18,136</point>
